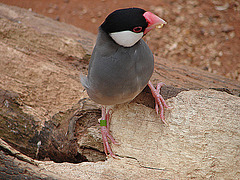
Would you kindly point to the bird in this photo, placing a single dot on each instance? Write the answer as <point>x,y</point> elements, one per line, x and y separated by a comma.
<point>122,64</point>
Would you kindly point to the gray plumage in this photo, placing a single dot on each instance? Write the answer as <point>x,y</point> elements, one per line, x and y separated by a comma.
<point>117,74</point>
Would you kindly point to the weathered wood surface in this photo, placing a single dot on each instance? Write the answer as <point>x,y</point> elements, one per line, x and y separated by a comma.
<point>46,115</point>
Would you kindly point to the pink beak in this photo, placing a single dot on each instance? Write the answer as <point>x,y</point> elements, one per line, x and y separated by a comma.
<point>153,21</point>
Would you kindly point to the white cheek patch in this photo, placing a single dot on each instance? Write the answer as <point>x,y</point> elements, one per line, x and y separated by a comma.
<point>126,38</point>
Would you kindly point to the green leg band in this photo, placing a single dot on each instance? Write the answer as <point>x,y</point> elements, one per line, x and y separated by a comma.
<point>103,122</point>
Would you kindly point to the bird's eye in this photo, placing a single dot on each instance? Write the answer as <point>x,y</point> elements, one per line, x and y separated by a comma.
<point>137,29</point>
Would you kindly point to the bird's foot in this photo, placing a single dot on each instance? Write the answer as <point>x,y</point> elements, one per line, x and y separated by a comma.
<point>104,123</point>
<point>159,101</point>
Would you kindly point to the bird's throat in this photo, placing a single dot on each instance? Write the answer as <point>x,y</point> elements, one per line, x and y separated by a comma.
<point>126,38</point>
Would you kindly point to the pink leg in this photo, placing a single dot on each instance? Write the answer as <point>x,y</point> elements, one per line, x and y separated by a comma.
<point>159,101</point>
<point>105,132</point>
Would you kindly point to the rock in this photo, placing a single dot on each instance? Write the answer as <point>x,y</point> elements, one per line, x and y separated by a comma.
<point>18,128</point>
<point>41,60</point>
<point>223,7</point>
<point>227,28</point>
<point>13,168</point>
<point>201,141</point>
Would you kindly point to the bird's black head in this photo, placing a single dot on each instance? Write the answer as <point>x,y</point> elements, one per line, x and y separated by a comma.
<point>130,19</point>
<point>127,26</point>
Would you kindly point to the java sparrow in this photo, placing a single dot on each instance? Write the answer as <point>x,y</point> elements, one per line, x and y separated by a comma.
<point>121,64</point>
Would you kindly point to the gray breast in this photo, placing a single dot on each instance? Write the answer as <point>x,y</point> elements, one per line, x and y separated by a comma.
<point>118,74</point>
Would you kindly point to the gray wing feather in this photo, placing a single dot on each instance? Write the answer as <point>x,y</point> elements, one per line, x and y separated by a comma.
<point>84,81</point>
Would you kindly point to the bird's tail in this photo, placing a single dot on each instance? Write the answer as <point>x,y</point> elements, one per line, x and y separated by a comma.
<point>84,81</point>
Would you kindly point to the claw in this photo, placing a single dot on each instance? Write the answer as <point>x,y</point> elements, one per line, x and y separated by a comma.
<point>159,101</point>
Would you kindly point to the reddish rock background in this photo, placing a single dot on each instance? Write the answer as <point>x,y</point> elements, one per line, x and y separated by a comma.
<point>199,33</point>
